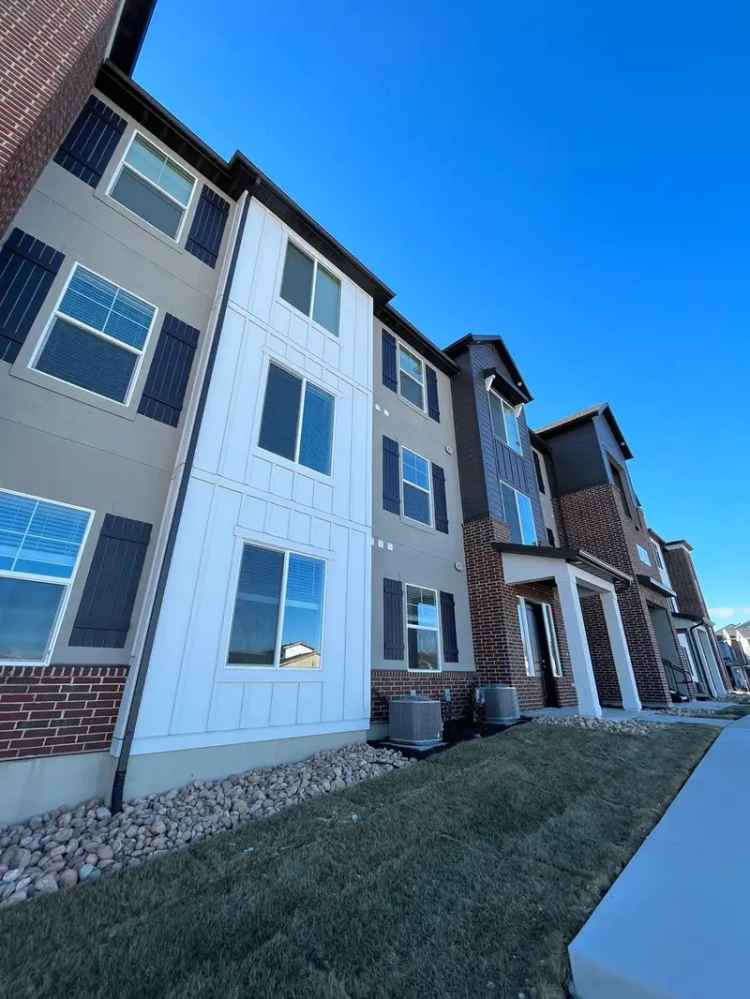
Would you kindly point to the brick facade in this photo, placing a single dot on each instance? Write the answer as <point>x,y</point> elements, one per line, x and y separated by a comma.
<point>685,582</point>
<point>50,52</point>
<point>498,646</point>
<point>592,519</point>
<point>58,709</point>
<point>393,683</point>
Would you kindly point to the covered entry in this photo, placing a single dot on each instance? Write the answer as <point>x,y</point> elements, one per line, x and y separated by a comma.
<point>575,572</point>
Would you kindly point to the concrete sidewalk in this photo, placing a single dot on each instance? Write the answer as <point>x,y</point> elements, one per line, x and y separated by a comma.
<point>675,923</point>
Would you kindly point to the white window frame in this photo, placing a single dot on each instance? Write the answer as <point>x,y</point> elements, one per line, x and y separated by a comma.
<point>123,165</point>
<point>316,264</point>
<point>551,630</point>
<point>139,352</point>
<point>515,413</point>
<point>518,493</point>
<point>422,367</point>
<point>420,627</point>
<point>644,556</point>
<point>413,485</point>
<point>295,462</point>
<point>65,584</point>
<point>234,670</point>
<point>525,638</point>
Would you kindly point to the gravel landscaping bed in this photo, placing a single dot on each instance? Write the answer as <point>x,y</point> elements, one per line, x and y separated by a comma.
<point>67,846</point>
<point>626,727</point>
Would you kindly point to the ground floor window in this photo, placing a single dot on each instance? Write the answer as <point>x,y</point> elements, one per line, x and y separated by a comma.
<point>40,548</point>
<point>278,610</point>
<point>422,628</point>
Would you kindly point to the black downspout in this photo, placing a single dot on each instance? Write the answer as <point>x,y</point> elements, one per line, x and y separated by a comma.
<point>118,784</point>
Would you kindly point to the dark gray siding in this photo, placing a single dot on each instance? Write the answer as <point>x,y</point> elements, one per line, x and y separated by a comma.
<point>484,462</point>
<point>577,459</point>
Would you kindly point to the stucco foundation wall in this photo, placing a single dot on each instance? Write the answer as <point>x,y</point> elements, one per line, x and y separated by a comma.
<point>32,786</point>
<point>151,773</point>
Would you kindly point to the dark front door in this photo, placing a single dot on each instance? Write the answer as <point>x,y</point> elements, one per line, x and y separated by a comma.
<point>540,653</point>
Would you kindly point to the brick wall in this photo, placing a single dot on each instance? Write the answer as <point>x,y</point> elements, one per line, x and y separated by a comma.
<point>592,519</point>
<point>685,582</point>
<point>498,646</point>
<point>392,683</point>
<point>58,709</point>
<point>50,52</point>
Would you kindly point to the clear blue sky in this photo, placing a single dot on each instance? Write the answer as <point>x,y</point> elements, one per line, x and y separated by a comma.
<point>571,176</point>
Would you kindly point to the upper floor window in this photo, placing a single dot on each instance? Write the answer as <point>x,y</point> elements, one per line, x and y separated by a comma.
<point>307,283</point>
<point>519,515</point>
<point>278,610</point>
<point>538,469</point>
<point>153,187</point>
<point>96,337</point>
<point>505,422</point>
<point>643,555</point>
<point>422,628</point>
<point>40,546</point>
<point>410,377</point>
<point>619,482</point>
<point>297,421</point>
<point>415,472</point>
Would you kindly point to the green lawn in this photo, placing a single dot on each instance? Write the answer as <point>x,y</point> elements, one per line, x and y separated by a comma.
<point>466,875</point>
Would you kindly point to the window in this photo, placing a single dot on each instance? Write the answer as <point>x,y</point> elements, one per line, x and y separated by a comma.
<point>551,538</point>
<point>415,474</point>
<point>307,282</point>
<point>40,545</point>
<point>554,650</point>
<point>410,377</point>
<point>620,487</point>
<point>307,440</point>
<point>153,187</point>
<point>270,631</point>
<point>422,628</point>
<point>538,469</point>
<point>505,423</point>
<point>643,555</point>
<point>96,337</point>
<point>519,514</point>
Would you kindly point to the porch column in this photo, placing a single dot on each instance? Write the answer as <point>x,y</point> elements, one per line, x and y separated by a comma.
<point>620,652</point>
<point>578,646</point>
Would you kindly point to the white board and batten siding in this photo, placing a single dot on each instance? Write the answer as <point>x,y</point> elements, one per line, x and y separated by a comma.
<point>239,493</point>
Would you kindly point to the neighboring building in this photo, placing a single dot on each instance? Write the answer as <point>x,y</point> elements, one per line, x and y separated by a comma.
<point>50,54</point>
<point>525,595</point>
<point>421,625</point>
<point>734,648</point>
<point>700,653</point>
<point>598,511</point>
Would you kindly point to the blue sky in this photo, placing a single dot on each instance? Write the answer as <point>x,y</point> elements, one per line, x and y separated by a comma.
<point>572,177</point>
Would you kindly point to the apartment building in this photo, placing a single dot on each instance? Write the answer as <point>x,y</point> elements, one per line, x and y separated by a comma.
<point>421,626</point>
<point>700,654</point>
<point>597,509</point>
<point>526,591</point>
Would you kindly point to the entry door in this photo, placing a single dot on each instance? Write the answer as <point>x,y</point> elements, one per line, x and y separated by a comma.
<point>696,669</point>
<point>540,653</point>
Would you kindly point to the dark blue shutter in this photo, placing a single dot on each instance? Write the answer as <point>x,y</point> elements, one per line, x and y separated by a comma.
<point>441,506</point>
<point>103,618</point>
<point>208,227</point>
<point>164,391</point>
<point>448,620</point>
<point>393,619</point>
<point>433,406</point>
<point>27,270</point>
<point>391,477</point>
<point>88,146</point>
<point>390,378</point>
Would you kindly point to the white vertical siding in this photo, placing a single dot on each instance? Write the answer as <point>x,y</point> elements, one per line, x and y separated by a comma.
<point>238,493</point>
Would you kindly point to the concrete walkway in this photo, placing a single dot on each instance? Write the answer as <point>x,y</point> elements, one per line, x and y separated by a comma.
<point>647,715</point>
<point>674,925</point>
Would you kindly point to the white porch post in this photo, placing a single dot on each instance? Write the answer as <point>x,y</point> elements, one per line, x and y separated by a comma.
<point>578,646</point>
<point>620,652</point>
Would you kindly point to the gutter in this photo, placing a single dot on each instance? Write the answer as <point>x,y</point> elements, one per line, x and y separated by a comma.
<point>118,784</point>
